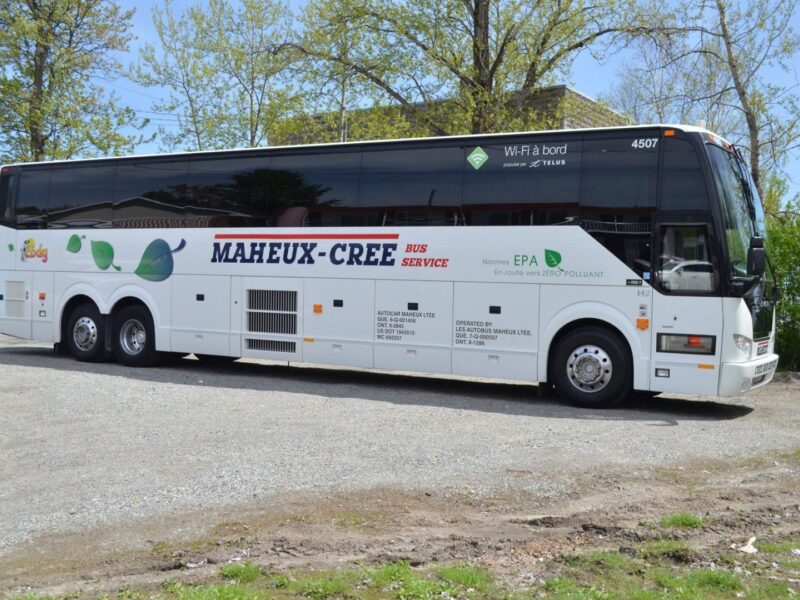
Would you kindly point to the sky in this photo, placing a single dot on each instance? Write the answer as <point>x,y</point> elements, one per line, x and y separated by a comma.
<point>587,76</point>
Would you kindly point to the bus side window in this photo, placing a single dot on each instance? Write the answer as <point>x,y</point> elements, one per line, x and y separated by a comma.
<point>227,191</point>
<point>32,198</point>
<point>313,190</point>
<point>81,196</point>
<point>683,186</point>
<point>685,264</point>
<point>8,187</point>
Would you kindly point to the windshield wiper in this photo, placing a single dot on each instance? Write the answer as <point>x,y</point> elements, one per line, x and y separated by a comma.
<point>745,182</point>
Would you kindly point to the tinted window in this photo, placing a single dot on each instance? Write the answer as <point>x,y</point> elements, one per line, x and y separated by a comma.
<point>685,264</point>
<point>34,188</point>
<point>620,173</point>
<point>424,178</point>
<point>521,181</point>
<point>682,184</point>
<point>81,196</point>
<point>8,186</point>
<point>314,189</point>
<point>227,192</point>
<point>150,193</point>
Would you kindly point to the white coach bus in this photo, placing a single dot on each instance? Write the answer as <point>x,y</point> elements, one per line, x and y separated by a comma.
<point>601,261</point>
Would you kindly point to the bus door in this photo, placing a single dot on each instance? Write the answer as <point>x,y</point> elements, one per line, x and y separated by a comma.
<point>687,309</point>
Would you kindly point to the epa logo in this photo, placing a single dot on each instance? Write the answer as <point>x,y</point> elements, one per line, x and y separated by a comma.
<point>477,158</point>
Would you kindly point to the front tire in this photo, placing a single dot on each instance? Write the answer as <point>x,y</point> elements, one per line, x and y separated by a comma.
<point>134,337</point>
<point>86,333</point>
<point>591,368</point>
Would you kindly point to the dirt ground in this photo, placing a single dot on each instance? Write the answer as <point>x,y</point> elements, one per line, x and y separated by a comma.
<point>521,537</point>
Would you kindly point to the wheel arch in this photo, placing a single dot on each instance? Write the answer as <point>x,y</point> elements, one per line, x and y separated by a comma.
<point>591,314</point>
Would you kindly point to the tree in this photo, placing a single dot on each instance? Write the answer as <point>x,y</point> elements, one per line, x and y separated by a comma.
<point>726,63</point>
<point>53,52</point>
<point>226,80</point>
<point>461,66</point>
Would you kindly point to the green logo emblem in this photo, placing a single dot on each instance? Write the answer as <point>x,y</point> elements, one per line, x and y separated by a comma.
<point>477,158</point>
<point>552,258</point>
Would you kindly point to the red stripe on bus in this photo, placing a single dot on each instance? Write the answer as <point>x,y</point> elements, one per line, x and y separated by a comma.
<point>307,236</point>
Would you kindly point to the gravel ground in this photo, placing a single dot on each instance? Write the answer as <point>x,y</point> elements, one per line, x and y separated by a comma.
<point>82,445</point>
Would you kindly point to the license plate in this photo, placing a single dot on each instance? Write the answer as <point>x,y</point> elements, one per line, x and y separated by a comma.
<point>766,367</point>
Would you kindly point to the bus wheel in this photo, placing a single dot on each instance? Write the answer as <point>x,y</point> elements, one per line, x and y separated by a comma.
<point>134,337</point>
<point>591,368</point>
<point>86,333</point>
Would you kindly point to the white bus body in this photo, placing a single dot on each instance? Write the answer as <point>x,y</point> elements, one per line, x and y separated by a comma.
<point>490,301</point>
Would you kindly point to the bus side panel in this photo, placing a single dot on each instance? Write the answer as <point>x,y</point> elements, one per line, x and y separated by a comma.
<point>414,326</point>
<point>201,316</point>
<point>686,315</point>
<point>338,323</point>
<point>496,330</point>
<point>42,313</point>
<point>8,249</point>
<point>620,307</point>
<point>15,310</point>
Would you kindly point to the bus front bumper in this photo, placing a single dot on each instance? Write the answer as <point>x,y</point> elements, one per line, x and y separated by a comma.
<point>739,378</point>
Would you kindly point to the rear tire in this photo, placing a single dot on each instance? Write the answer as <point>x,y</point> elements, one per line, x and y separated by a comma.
<point>85,333</point>
<point>134,337</point>
<point>591,368</point>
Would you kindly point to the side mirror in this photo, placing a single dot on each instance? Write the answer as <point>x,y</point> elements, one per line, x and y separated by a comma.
<point>756,257</point>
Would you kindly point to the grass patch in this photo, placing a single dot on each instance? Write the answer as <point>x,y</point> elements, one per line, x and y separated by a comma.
<point>666,549</point>
<point>162,548</point>
<point>681,521</point>
<point>401,581</point>
<point>220,592</point>
<point>778,547</point>
<point>775,590</point>
<point>350,519</point>
<point>241,572</point>
<point>699,584</point>
<point>561,588</point>
<point>465,576</point>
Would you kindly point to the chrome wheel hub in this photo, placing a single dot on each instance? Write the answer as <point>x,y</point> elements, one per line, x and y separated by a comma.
<point>132,337</point>
<point>84,334</point>
<point>589,368</point>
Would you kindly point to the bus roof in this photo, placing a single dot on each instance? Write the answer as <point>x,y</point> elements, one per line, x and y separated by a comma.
<point>685,128</point>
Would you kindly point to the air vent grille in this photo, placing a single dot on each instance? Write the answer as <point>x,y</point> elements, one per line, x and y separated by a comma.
<point>272,311</point>
<point>271,345</point>
<point>272,300</point>
<point>270,322</point>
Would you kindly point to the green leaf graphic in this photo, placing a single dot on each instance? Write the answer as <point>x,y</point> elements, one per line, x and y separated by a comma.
<point>11,247</point>
<point>74,244</point>
<point>157,262</point>
<point>552,258</point>
<point>103,255</point>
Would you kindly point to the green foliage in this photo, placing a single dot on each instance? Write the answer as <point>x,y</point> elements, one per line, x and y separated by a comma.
<point>783,249</point>
<point>225,80</point>
<point>451,66</point>
<point>241,573</point>
<point>682,520</point>
<point>53,52</point>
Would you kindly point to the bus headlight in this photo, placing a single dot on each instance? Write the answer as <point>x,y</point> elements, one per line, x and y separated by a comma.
<point>743,343</point>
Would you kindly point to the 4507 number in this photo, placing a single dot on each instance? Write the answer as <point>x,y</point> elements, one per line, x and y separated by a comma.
<point>644,143</point>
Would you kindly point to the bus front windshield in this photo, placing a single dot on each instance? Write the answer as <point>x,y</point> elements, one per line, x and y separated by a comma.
<point>738,207</point>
